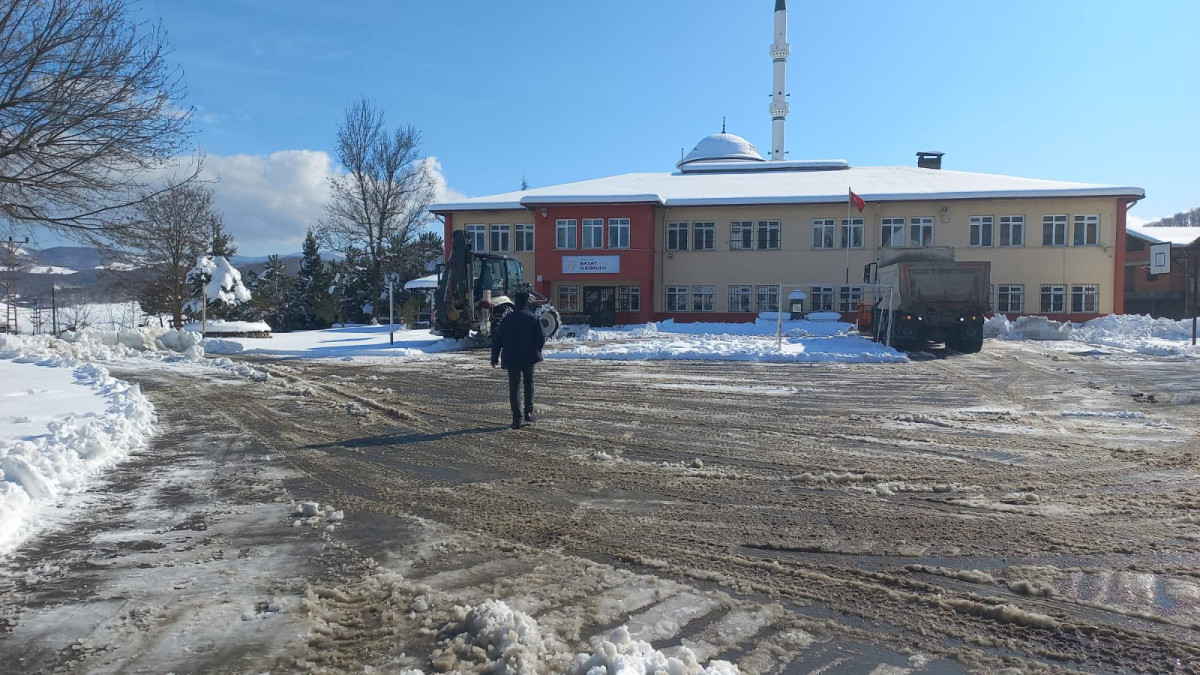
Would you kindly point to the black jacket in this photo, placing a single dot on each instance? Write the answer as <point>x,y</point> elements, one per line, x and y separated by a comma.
<point>518,340</point>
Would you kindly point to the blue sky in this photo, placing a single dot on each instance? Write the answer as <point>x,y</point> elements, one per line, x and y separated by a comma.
<point>1082,90</point>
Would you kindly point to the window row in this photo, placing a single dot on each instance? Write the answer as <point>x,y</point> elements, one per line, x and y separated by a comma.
<point>502,239</point>
<point>567,233</point>
<point>1085,230</point>
<point>1084,298</point>
<point>629,298</point>
<point>759,298</point>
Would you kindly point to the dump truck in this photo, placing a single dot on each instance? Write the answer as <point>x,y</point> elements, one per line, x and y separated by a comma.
<point>475,292</point>
<point>926,296</point>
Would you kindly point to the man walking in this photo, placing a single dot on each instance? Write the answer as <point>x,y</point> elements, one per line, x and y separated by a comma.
<point>517,345</point>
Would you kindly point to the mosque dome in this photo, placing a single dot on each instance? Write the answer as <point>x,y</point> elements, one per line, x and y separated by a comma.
<point>722,147</point>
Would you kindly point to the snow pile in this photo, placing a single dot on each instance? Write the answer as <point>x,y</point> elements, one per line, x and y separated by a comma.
<point>1026,328</point>
<point>509,639</point>
<point>846,349</point>
<point>1143,334</point>
<point>803,342</point>
<point>623,655</point>
<point>78,420</point>
<point>221,326</point>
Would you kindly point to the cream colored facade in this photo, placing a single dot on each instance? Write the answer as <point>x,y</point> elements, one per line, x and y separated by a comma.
<point>1030,265</point>
<point>510,218</point>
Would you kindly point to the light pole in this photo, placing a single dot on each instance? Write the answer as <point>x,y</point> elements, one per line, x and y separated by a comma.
<point>392,279</point>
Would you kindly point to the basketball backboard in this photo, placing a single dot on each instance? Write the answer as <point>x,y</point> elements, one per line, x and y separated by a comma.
<point>1160,258</point>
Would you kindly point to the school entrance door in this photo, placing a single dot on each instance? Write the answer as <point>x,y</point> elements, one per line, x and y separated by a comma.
<point>600,302</point>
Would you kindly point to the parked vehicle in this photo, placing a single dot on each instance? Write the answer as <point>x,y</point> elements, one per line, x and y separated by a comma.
<point>932,299</point>
<point>475,292</point>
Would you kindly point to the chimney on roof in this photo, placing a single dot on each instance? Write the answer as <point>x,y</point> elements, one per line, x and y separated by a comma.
<point>929,160</point>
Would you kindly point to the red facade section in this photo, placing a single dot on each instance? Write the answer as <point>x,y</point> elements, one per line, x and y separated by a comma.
<point>636,262</point>
<point>1119,259</point>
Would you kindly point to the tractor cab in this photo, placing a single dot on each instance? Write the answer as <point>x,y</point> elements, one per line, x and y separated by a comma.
<point>497,276</point>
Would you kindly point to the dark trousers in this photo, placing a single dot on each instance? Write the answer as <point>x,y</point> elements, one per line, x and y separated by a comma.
<point>515,375</point>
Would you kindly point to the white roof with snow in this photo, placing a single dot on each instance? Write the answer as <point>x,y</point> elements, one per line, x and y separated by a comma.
<point>1176,236</point>
<point>422,283</point>
<point>872,183</point>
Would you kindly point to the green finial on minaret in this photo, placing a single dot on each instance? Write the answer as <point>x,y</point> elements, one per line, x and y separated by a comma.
<point>780,5</point>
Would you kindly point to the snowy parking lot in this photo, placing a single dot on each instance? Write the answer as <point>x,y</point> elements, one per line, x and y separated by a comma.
<point>1032,506</point>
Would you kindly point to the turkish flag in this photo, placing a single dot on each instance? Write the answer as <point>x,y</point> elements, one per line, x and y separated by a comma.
<point>857,201</point>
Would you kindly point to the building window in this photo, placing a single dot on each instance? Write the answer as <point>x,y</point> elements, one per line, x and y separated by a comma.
<point>593,233</point>
<point>704,236</point>
<point>501,238</point>
<point>565,234</point>
<point>1085,299</point>
<point>1087,230</point>
<point>768,298</point>
<point>618,233</point>
<point>524,238</point>
<point>921,231</point>
<point>850,298</point>
<point>1054,299</point>
<point>822,232</point>
<point>677,298</point>
<point>891,232</point>
<point>741,298</point>
<point>477,237</point>
<point>703,298</point>
<point>629,299</point>
<point>1010,298</point>
<point>1054,230</point>
<point>852,233</point>
<point>820,299</point>
<point>981,230</point>
<point>677,236</point>
<point>741,235</point>
<point>768,235</point>
<point>568,298</point>
<point>1012,230</point>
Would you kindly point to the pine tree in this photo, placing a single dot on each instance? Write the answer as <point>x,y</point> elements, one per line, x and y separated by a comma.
<point>273,295</point>
<point>222,242</point>
<point>352,281</point>
<point>312,304</point>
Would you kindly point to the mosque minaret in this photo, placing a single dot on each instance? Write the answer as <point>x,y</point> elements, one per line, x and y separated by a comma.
<point>779,105</point>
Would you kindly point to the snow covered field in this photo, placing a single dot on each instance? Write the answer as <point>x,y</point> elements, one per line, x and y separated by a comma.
<point>61,423</point>
<point>1126,333</point>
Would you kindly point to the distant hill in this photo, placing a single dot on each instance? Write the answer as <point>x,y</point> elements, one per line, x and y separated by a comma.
<point>1183,219</point>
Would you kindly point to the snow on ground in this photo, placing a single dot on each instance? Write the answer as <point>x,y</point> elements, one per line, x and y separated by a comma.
<point>102,315</point>
<point>62,422</point>
<point>350,342</point>
<point>803,341</point>
<point>50,269</point>
<point>1128,332</point>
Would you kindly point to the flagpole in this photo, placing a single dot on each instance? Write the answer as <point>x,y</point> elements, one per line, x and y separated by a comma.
<point>848,232</point>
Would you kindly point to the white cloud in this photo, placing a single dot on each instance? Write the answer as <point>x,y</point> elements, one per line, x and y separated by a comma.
<point>444,192</point>
<point>1134,221</point>
<point>269,202</point>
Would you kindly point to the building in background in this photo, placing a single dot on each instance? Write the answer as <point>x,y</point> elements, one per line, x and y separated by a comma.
<point>715,239</point>
<point>1160,295</point>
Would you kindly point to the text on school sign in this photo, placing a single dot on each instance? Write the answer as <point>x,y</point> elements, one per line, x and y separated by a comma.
<point>591,264</point>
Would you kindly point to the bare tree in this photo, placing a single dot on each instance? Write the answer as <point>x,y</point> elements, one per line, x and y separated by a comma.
<point>384,194</point>
<point>88,114</point>
<point>172,229</point>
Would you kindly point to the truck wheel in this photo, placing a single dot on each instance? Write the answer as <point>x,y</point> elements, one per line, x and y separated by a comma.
<point>549,319</point>
<point>970,339</point>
